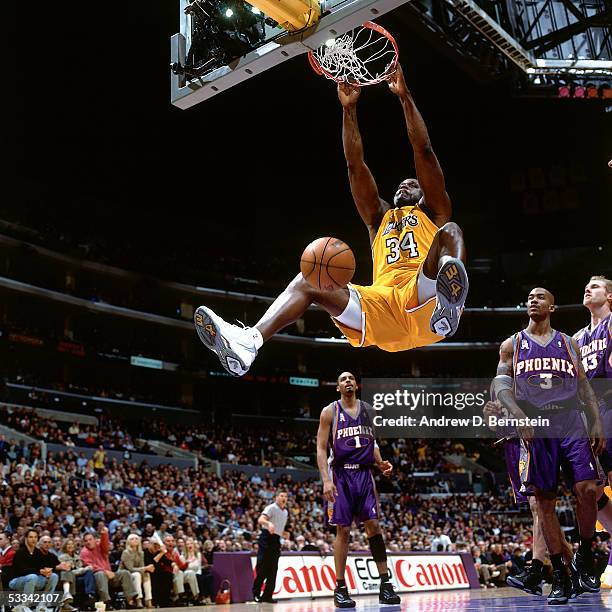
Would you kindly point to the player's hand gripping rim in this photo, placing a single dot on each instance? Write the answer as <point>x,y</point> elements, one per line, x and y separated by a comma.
<point>397,83</point>
<point>329,491</point>
<point>348,93</point>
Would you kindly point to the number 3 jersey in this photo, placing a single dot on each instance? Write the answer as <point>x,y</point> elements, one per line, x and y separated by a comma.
<point>351,444</point>
<point>545,375</point>
<point>596,349</point>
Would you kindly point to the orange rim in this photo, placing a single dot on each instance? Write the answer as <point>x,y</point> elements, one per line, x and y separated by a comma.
<point>316,66</point>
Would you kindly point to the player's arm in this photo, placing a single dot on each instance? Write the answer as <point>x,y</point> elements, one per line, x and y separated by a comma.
<point>591,406</point>
<point>428,170</point>
<point>363,186</point>
<point>264,521</point>
<point>503,385</point>
<point>325,421</point>
<point>384,466</point>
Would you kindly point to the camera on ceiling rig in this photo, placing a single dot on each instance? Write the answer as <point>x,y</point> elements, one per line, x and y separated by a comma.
<point>220,33</point>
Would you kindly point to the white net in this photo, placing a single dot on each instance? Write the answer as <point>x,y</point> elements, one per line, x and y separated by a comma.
<point>363,56</point>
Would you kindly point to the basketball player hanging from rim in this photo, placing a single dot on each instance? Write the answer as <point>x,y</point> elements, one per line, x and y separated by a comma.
<point>420,283</point>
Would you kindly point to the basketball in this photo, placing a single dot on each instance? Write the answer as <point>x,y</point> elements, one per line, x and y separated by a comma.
<point>327,264</point>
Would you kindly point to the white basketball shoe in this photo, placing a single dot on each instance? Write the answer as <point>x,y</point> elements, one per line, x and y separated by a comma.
<point>235,346</point>
<point>452,287</point>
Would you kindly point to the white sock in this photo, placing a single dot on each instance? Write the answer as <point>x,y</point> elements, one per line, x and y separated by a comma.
<point>66,586</point>
<point>257,337</point>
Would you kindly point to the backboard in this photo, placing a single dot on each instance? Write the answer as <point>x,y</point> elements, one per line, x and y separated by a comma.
<point>193,82</point>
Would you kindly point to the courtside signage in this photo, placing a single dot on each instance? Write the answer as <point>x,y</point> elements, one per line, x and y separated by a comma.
<point>310,576</point>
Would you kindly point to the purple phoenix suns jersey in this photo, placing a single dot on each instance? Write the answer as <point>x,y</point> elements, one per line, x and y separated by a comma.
<point>596,349</point>
<point>545,374</point>
<point>352,439</point>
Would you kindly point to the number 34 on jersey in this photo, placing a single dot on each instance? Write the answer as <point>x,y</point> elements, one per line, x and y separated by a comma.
<point>396,249</point>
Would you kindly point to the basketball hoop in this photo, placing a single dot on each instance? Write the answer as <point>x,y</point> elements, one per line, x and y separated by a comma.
<point>364,56</point>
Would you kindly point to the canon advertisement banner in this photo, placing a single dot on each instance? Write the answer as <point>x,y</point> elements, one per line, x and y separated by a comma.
<point>311,576</point>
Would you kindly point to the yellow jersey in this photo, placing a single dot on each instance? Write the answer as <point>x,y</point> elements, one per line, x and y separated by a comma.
<point>401,245</point>
<point>392,318</point>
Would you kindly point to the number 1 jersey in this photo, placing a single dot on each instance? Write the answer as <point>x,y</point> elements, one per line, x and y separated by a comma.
<point>352,439</point>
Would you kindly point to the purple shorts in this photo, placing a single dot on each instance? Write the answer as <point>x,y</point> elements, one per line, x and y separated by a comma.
<point>570,449</point>
<point>356,500</point>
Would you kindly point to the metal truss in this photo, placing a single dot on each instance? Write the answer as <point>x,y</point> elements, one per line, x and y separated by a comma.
<point>559,38</point>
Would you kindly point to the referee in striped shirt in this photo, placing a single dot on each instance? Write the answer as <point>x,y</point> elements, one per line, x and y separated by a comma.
<point>272,521</point>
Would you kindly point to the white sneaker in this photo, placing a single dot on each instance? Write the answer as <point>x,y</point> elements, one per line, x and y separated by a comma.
<point>234,345</point>
<point>452,287</point>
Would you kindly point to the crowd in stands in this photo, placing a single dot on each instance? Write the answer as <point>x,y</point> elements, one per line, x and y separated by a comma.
<point>230,444</point>
<point>70,434</point>
<point>222,444</point>
<point>225,444</point>
<point>75,503</point>
<point>92,514</point>
<point>418,455</point>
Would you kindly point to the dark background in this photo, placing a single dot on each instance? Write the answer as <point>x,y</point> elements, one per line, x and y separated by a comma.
<point>255,173</point>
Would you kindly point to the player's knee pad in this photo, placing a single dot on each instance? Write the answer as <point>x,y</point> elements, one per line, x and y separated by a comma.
<point>377,547</point>
<point>602,501</point>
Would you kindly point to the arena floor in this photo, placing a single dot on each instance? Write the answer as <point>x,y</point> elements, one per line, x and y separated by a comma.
<point>454,601</point>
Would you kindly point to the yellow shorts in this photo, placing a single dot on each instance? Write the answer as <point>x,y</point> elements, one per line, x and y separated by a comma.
<point>392,318</point>
<point>598,526</point>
